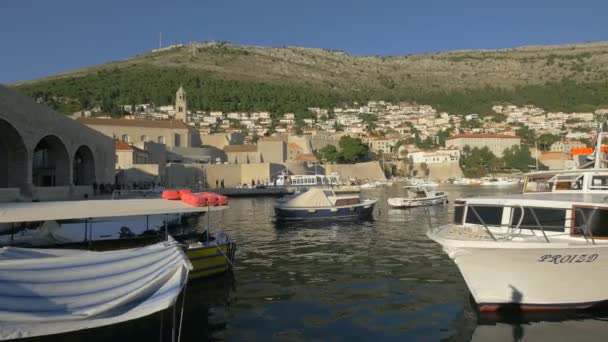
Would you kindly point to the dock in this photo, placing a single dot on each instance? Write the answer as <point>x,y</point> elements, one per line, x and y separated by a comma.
<point>252,192</point>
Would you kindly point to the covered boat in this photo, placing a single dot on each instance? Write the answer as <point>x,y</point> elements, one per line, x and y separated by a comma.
<point>323,204</point>
<point>418,197</point>
<point>56,290</point>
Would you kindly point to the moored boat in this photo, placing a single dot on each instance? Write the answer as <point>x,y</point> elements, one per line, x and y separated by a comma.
<point>418,197</point>
<point>319,203</point>
<point>545,248</point>
<point>95,286</point>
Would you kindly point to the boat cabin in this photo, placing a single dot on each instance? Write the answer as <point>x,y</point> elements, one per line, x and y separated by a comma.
<point>569,202</point>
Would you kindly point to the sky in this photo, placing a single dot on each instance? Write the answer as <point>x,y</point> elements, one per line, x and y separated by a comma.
<point>46,37</point>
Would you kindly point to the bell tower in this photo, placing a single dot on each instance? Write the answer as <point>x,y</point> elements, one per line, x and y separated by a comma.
<point>181,105</point>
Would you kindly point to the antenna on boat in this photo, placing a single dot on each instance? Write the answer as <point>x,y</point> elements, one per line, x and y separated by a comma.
<point>598,148</point>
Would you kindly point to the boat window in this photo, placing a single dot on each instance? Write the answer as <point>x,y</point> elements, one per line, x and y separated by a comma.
<point>489,215</point>
<point>550,219</point>
<point>538,183</point>
<point>567,182</point>
<point>458,211</point>
<point>590,222</point>
<point>599,182</point>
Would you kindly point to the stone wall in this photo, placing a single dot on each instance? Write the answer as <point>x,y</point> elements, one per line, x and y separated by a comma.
<point>24,124</point>
<point>367,170</point>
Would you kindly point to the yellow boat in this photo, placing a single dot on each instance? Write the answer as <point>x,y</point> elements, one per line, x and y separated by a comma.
<point>209,257</point>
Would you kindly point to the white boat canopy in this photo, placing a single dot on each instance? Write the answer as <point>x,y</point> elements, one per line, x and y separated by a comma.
<point>66,210</point>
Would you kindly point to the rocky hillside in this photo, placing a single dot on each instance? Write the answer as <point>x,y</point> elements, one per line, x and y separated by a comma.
<point>458,80</point>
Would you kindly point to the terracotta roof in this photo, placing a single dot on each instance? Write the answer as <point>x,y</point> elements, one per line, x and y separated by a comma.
<point>483,136</point>
<point>294,145</point>
<point>240,148</point>
<point>123,146</point>
<point>133,123</point>
<point>307,158</point>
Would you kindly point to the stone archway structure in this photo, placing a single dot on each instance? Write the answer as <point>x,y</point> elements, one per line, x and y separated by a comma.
<point>13,157</point>
<point>83,164</point>
<point>50,163</point>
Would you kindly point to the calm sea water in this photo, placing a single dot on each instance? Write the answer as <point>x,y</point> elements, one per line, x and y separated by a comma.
<point>338,281</point>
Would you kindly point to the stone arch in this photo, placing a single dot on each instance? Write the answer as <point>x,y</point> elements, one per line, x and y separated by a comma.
<point>83,166</point>
<point>13,157</point>
<point>50,163</point>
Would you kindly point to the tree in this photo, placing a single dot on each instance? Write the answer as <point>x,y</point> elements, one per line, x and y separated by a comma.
<point>546,140</point>
<point>526,134</point>
<point>328,153</point>
<point>518,157</point>
<point>352,150</point>
<point>477,162</point>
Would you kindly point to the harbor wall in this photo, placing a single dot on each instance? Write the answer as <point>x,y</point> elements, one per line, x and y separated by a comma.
<point>233,175</point>
<point>440,171</point>
<point>367,170</point>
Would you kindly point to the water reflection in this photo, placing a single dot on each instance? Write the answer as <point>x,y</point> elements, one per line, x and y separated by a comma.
<point>380,279</point>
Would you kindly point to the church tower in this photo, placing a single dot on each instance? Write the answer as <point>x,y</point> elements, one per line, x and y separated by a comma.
<point>181,106</point>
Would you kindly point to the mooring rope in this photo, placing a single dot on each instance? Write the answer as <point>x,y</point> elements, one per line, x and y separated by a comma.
<point>181,315</point>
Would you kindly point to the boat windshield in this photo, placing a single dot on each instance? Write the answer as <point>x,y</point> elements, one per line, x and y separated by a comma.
<point>538,183</point>
<point>567,182</point>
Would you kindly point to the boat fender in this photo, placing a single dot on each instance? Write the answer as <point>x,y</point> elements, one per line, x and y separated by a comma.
<point>171,195</point>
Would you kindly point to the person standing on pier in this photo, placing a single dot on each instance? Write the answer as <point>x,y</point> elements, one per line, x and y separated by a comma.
<point>216,183</point>
<point>222,183</point>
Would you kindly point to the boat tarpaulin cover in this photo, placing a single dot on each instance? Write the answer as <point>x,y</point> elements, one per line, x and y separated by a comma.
<point>50,291</point>
<point>313,198</point>
<point>68,210</point>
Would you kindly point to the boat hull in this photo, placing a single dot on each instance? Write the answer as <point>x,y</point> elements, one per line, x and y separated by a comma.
<point>211,259</point>
<point>531,276</point>
<point>363,210</point>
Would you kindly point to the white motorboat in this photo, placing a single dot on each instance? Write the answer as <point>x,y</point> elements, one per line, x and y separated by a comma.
<point>418,197</point>
<point>546,248</point>
<point>499,181</point>
<point>422,182</point>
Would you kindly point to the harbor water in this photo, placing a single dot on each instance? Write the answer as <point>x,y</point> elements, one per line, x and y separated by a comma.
<point>381,279</point>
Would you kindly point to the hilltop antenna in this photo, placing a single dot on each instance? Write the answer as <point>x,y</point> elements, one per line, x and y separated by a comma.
<point>160,40</point>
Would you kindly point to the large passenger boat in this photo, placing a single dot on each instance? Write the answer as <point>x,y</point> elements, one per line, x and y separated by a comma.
<point>545,248</point>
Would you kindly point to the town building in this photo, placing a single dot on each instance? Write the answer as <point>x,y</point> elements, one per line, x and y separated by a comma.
<point>435,156</point>
<point>171,133</point>
<point>566,145</point>
<point>496,143</point>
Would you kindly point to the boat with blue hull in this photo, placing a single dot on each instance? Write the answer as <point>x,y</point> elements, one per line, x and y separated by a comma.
<point>318,204</point>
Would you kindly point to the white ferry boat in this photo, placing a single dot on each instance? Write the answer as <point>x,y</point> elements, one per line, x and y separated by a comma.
<point>545,248</point>
<point>285,179</point>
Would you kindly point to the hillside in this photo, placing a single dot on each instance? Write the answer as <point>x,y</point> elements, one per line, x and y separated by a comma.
<point>231,77</point>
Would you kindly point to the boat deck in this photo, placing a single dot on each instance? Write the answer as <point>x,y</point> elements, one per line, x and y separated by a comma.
<point>457,232</point>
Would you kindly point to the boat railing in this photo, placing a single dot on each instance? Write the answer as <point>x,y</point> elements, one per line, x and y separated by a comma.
<point>516,229</point>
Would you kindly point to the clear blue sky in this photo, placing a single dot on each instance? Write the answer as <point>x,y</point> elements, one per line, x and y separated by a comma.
<point>40,38</point>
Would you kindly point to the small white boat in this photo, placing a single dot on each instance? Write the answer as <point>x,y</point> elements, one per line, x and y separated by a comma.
<point>499,181</point>
<point>543,249</point>
<point>422,182</point>
<point>418,197</point>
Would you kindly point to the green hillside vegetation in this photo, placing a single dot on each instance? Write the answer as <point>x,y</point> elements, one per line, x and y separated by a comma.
<point>222,76</point>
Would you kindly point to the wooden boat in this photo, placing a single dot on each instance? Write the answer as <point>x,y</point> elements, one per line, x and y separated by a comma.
<point>318,203</point>
<point>418,197</point>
